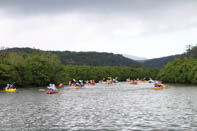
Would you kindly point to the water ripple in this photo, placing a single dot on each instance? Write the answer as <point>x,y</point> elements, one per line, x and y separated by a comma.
<point>121,107</point>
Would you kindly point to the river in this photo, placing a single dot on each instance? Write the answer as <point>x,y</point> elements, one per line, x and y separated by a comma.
<point>122,107</point>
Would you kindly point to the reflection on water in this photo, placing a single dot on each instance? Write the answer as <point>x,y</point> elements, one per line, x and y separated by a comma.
<point>119,107</point>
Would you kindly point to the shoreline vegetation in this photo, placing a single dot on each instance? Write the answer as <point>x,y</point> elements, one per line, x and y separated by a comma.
<point>181,70</point>
<point>39,68</point>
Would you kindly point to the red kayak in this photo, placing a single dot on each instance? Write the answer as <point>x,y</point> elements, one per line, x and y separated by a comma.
<point>51,92</point>
<point>133,83</point>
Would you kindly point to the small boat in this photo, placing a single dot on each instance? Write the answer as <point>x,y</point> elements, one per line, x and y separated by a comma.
<point>10,90</point>
<point>157,88</point>
<point>51,92</point>
<point>60,85</point>
<point>70,84</point>
<point>79,87</point>
<point>110,84</point>
<point>142,81</point>
<point>133,82</point>
<point>165,86</point>
<point>93,84</point>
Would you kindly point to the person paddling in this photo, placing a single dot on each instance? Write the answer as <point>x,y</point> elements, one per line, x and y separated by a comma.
<point>52,87</point>
<point>10,86</point>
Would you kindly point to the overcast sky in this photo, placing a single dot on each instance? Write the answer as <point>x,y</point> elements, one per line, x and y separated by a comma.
<point>144,28</point>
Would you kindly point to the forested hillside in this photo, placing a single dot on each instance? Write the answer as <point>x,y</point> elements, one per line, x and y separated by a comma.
<point>160,62</point>
<point>182,70</point>
<point>94,59</point>
<point>191,51</point>
<point>84,58</point>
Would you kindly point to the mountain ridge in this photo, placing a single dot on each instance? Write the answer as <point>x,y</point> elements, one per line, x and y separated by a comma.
<point>83,58</point>
<point>160,62</point>
<point>94,58</point>
<point>135,57</point>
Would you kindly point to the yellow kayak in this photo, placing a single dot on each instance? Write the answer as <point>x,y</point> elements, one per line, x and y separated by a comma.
<point>165,86</point>
<point>109,84</point>
<point>142,81</point>
<point>10,90</point>
<point>78,87</point>
<point>157,88</point>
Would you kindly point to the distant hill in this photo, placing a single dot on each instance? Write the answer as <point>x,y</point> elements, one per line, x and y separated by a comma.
<point>107,59</point>
<point>160,62</point>
<point>135,57</point>
<point>191,51</point>
<point>94,59</point>
<point>84,58</point>
<point>18,50</point>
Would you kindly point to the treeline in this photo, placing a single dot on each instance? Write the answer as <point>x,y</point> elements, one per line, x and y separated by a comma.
<point>103,72</point>
<point>191,51</point>
<point>183,70</point>
<point>41,68</point>
<point>36,69</point>
<point>180,71</point>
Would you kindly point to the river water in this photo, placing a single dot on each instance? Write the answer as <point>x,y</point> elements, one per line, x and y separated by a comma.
<point>122,107</point>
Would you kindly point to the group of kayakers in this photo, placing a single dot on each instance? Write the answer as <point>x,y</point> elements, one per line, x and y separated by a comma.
<point>81,83</point>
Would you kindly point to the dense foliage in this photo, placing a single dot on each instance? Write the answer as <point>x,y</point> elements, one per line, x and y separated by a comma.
<point>191,51</point>
<point>41,68</point>
<point>180,71</point>
<point>36,69</point>
<point>103,72</point>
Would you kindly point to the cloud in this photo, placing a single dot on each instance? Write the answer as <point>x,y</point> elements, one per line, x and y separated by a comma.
<point>109,25</point>
<point>154,15</point>
<point>95,6</point>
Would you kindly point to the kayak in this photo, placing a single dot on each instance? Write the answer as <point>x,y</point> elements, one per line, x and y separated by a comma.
<point>109,84</point>
<point>92,84</point>
<point>79,87</point>
<point>10,90</point>
<point>51,92</point>
<point>157,88</point>
<point>142,81</point>
<point>60,85</point>
<point>132,82</point>
<point>166,86</point>
<point>70,84</point>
